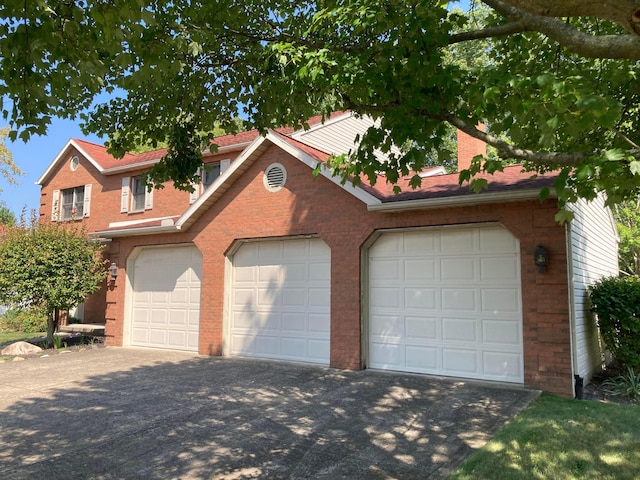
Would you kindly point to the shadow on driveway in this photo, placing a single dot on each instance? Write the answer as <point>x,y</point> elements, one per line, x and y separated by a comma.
<point>117,413</point>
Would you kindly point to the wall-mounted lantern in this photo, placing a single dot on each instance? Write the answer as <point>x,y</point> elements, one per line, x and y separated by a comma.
<point>541,258</point>
<point>113,272</point>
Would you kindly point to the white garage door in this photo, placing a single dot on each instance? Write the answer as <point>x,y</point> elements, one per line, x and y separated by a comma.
<point>281,300</point>
<point>447,302</point>
<point>166,298</point>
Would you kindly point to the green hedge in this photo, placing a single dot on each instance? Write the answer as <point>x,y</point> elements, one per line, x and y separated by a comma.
<point>616,301</point>
<point>28,320</point>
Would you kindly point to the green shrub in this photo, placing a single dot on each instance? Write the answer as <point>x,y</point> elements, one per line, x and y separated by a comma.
<point>27,320</point>
<point>616,301</point>
<point>626,385</point>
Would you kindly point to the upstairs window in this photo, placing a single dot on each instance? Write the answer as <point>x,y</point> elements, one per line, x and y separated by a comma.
<point>71,203</point>
<point>138,190</point>
<point>135,196</point>
<point>208,174</point>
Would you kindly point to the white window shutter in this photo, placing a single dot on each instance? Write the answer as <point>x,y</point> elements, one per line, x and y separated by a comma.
<point>224,164</point>
<point>87,200</point>
<point>193,196</point>
<point>55,206</point>
<point>124,195</point>
<point>148,198</point>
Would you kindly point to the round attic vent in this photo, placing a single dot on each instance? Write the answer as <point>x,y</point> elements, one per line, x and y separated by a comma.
<point>275,176</point>
<point>75,161</point>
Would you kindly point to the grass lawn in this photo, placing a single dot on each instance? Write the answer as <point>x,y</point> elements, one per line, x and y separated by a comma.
<point>560,438</point>
<point>14,336</point>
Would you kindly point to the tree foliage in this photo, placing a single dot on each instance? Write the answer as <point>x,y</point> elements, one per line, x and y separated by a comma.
<point>51,266</point>
<point>557,85</point>
<point>627,216</point>
<point>8,169</point>
<point>616,301</point>
<point>7,217</point>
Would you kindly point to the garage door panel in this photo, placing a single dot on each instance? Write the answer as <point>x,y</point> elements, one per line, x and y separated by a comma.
<point>446,301</point>
<point>459,299</point>
<point>390,268</point>
<point>421,359</point>
<point>420,298</point>
<point>501,333</point>
<point>457,269</point>
<point>459,329</point>
<point>290,287</point>
<point>320,323</point>
<point>459,361</point>
<point>420,269</point>
<point>166,298</point>
<point>457,240</point>
<point>385,297</point>
<point>319,297</point>
<point>421,328</point>
<point>503,268</point>
<point>500,301</point>
<point>502,365</point>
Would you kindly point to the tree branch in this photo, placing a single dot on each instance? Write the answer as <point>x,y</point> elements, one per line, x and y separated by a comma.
<point>502,30</point>
<point>584,44</point>
<point>505,151</point>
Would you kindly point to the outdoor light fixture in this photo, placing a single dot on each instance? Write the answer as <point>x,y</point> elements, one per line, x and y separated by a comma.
<point>113,272</point>
<point>541,258</point>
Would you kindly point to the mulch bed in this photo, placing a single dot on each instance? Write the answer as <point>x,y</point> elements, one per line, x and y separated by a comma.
<point>597,391</point>
<point>70,343</point>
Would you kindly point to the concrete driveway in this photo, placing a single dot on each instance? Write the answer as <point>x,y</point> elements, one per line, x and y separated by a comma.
<point>124,413</point>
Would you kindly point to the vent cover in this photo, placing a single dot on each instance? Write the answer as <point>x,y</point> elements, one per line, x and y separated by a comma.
<point>75,161</point>
<point>275,176</point>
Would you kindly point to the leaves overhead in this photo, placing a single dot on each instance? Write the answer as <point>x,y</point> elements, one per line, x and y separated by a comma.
<point>557,91</point>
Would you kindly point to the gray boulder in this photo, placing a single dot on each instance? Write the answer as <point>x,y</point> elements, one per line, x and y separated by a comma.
<point>20,348</point>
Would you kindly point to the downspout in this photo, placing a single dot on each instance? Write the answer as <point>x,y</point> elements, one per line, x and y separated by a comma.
<point>577,380</point>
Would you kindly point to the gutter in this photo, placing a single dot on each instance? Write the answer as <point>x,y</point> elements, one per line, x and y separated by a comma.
<point>126,232</point>
<point>459,201</point>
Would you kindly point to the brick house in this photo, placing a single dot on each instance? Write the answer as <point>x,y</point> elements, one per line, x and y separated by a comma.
<point>266,260</point>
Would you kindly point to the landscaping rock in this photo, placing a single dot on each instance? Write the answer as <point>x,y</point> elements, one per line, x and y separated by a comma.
<point>20,348</point>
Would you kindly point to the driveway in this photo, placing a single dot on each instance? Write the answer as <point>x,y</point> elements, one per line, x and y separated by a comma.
<point>125,413</point>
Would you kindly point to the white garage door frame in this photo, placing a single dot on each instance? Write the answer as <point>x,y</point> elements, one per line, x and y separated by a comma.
<point>367,307</point>
<point>127,327</point>
<point>229,297</point>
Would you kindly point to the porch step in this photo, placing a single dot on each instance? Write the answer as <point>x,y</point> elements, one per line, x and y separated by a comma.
<point>94,329</point>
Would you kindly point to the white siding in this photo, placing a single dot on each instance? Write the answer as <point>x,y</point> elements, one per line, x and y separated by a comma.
<point>594,254</point>
<point>337,136</point>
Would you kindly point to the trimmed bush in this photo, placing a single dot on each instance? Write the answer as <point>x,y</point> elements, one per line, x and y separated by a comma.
<point>616,301</point>
<point>28,320</point>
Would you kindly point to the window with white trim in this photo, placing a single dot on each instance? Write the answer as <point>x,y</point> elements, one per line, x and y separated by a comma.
<point>208,174</point>
<point>135,196</point>
<point>71,203</point>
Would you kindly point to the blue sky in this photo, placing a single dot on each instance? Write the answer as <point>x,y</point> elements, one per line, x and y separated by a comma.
<point>35,156</point>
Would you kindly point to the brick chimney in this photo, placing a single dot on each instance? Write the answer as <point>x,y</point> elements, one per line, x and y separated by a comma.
<point>469,147</point>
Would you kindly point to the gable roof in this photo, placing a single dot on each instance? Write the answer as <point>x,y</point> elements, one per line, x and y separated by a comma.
<point>106,164</point>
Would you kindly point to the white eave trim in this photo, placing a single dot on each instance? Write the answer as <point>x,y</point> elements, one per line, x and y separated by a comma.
<point>135,232</point>
<point>54,163</point>
<point>459,201</point>
<point>308,160</point>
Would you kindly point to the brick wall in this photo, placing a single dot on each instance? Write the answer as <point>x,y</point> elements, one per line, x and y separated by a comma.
<point>315,206</point>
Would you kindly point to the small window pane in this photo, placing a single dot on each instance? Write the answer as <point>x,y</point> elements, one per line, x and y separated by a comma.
<point>72,203</point>
<point>137,192</point>
<point>211,172</point>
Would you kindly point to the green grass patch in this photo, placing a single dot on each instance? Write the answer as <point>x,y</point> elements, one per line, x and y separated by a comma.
<point>17,336</point>
<point>560,438</point>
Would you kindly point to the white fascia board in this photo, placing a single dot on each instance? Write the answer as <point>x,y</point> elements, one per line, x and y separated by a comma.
<point>133,222</point>
<point>135,232</point>
<point>458,201</point>
<point>300,133</point>
<point>52,165</point>
<point>308,160</point>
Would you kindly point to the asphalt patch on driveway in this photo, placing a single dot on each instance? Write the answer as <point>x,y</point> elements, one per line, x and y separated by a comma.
<point>123,413</point>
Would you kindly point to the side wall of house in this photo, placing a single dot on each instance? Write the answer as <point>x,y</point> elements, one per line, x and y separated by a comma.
<point>594,254</point>
<point>315,206</point>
